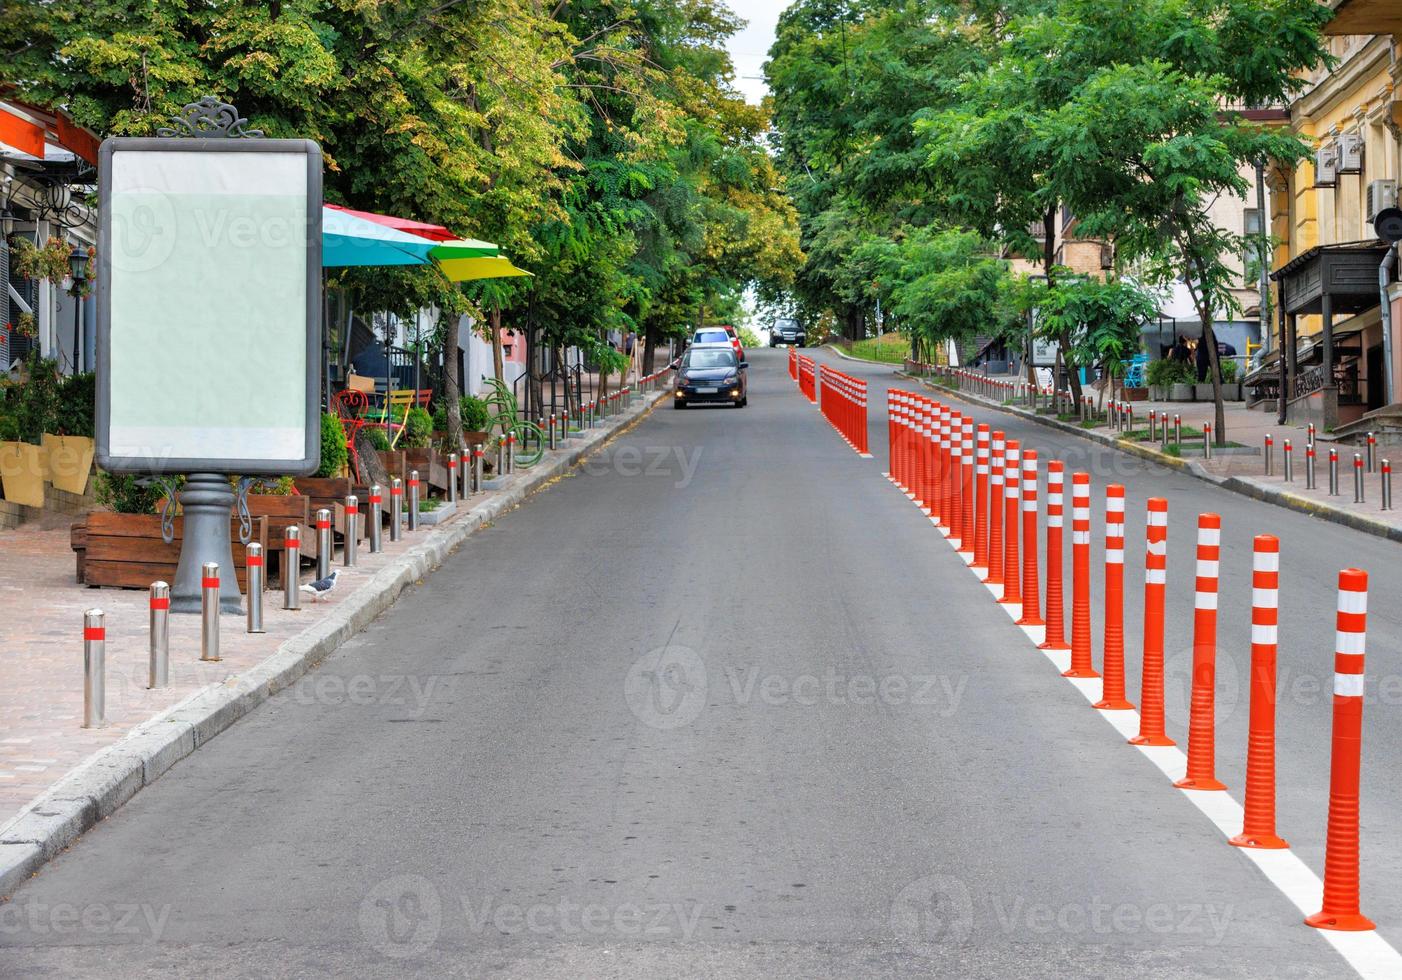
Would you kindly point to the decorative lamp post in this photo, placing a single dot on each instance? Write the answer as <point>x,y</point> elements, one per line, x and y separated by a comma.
<point>78,269</point>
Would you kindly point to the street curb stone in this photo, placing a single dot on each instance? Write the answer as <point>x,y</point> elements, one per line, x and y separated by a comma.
<point>107,780</point>
<point>1236,484</point>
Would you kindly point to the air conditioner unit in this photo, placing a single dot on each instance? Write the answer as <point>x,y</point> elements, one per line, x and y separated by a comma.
<point>1326,165</point>
<point>1381,194</point>
<point>1351,153</point>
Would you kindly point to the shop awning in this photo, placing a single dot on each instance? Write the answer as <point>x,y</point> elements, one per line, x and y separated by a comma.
<point>423,229</point>
<point>491,267</point>
<point>348,240</point>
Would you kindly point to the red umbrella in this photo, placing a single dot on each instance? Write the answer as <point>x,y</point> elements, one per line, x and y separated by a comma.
<point>423,229</point>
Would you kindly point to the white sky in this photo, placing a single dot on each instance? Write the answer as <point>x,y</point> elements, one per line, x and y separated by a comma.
<point>750,47</point>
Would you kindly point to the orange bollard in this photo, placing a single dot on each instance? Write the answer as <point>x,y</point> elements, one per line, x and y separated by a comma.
<point>966,486</point>
<point>1056,625</point>
<point>1341,909</point>
<point>1258,823</point>
<point>912,472</point>
<point>1031,591</point>
<point>995,510</point>
<point>924,457</point>
<point>981,451</point>
<point>1081,665</point>
<point>1202,721</point>
<point>948,466</point>
<point>1012,482</point>
<point>1112,695</point>
<point>895,408</point>
<point>1151,720</point>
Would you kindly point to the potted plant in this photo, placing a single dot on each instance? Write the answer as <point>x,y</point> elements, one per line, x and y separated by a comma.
<point>69,446</point>
<point>30,409</point>
<point>1231,384</point>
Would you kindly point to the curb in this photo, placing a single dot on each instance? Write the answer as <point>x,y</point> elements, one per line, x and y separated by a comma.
<point>860,360</point>
<point>99,786</point>
<point>1236,484</point>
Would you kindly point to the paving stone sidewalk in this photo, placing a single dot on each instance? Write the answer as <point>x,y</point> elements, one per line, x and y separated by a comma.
<point>41,649</point>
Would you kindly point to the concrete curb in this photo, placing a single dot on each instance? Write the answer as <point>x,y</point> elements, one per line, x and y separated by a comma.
<point>1236,484</point>
<point>860,360</point>
<point>98,787</point>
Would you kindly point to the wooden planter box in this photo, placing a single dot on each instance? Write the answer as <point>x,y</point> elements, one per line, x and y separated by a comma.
<point>330,492</point>
<point>1135,394</point>
<point>431,464</point>
<point>126,551</point>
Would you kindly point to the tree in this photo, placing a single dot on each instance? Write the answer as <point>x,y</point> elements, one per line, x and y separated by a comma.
<point>1098,322</point>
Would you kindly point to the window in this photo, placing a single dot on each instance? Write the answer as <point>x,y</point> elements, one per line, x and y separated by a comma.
<point>703,359</point>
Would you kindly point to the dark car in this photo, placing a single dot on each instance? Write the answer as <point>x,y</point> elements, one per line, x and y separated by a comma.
<point>710,374</point>
<point>787,331</point>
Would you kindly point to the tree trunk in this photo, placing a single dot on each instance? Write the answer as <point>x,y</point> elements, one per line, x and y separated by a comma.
<point>452,387</point>
<point>649,348</point>
<point>1219,423</point>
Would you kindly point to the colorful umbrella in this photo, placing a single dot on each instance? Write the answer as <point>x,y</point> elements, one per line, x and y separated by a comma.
<point>347,239</point>
<point>423,229</point>
<point>486,267</point>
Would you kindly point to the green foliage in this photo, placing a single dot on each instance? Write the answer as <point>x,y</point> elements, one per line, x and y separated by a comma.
<point>34,406</point>
<point>1230,370</point>
<point>418,429</point>
<point>334,455</point>
<point>377,437</point>
<point>474,413</point>
<point>276,486</point>
<point>748,338</point>
<point>1166,371</point>
<point>127,493</point>
<point>76,405</point>
<point>1101,319</point>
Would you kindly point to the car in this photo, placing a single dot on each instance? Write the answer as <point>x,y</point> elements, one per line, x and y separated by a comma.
<point>710,373</point>
<point>724,334</point>
<point>786,330</point>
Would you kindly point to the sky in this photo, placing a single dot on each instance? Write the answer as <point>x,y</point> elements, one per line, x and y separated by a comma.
<point>749,48</point>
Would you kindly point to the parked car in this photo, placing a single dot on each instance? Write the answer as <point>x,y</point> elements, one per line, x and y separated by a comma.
<point>787,330</point>
<point>710,373</point>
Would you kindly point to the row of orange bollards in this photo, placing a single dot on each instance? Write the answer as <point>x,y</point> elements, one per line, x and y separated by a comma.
<point>843,402</point>
<point>957,472</point>
<point>806,377</point>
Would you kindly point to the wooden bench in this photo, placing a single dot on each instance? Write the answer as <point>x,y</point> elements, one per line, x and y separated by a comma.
<point>126,550</point>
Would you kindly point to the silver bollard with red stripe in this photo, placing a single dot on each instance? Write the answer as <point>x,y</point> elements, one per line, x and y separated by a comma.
<point>323,543</point>
<point>255,588</point>
<point>209,612</point>
<point>95,669</point>
<point>292,567</point>
<point>376,501</point>
<point>158,646</point>
<point>413,500</point>
<point>352,529</point>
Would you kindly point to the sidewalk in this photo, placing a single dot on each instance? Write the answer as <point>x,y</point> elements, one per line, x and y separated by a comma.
<point>48,761</point>
<point>1244,469</point>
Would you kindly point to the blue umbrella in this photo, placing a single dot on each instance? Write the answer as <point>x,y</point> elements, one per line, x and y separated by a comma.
<point>348,240</point>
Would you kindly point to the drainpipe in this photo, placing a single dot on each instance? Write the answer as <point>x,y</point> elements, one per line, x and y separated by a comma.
<point>1384,279</point>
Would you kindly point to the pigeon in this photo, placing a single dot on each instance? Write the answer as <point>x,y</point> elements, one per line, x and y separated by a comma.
<point>322,586</point>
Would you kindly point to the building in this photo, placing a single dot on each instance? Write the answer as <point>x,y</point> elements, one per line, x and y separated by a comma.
<point>1329,309</point>
<point>47,176</point>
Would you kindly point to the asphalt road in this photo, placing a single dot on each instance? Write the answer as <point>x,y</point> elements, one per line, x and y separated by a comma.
<point>722,704</point>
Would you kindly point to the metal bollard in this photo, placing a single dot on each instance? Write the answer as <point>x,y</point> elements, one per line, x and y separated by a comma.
<point>1309,434</point>
<point>1309,465</point>
<point>292,567</point>
<point>209,612</point>
<point>1177,429</point>
<point>1372,452</point>
<point>413,500</point>
<point>375,505</point>
<point>352,531</point>
<point>1129,416</point>
<point>94,669</point>
<point>500,469</point>
<point>158,671</point>
<point>552,431</point>
<point>1358,478</point>
<point>1333,472</point>
<point>396,508</point>
<point>1287,461</point>
<point>477,456</point>
<point>323,543</point>
<point>255,588</point>
<point>1270,462</point>
<point>452,478</point>
<point>1207,440</point>
<point>1386,497</point>
<point>510,453</point>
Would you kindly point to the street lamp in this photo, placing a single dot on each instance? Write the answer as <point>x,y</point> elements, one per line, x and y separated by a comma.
<point>78,269</point>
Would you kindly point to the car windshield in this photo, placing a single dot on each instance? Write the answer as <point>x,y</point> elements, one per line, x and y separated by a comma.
<point>701,359</point>
<point>711,337</point>
<point>785,324</point>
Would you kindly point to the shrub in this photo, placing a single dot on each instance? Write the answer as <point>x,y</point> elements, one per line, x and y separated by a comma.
<point>75,406</point>
<point>418,429</point>
<point>1229,370</point>
<point>127,493</point>
<point>476,416</point>
<point>377,438</point>
<point>333,447</point>
<point>1165,372</point>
